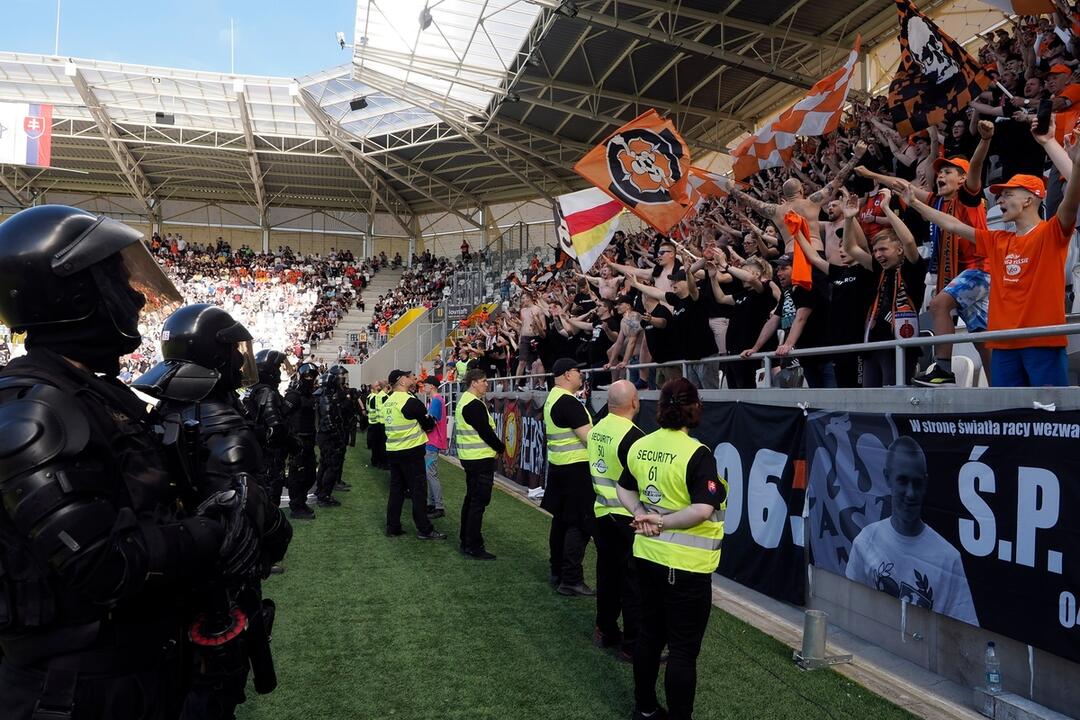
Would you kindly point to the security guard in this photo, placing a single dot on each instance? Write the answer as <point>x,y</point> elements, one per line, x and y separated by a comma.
<point>407,425</point>
<point>376,433</point>
<point>477,448</point>
<point>616,580</point>
<point>678,502</point>
<point>568,495</point>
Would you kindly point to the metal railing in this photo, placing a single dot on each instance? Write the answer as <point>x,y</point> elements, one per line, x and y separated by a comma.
<point>899,347</point>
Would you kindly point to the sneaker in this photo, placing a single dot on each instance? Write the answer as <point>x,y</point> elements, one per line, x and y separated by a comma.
<point>436,513</point>
<point>432,534</point>
<point>580,590</point>
<point>304,513</point>
<point>934,377</point>
<point>327,502</point>
<point>480,554</point>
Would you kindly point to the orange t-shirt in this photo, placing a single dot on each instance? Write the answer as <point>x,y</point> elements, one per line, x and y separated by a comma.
<point>1027,280</point>
<point>1066,119</point>
<point>968,254</point>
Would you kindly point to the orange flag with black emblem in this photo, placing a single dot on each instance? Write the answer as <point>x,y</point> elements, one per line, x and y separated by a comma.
<point>937,78</point>
<point>645,165</point>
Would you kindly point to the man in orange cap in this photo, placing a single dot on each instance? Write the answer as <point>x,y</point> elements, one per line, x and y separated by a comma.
<point>1027,267</point>
<point>963,285</point>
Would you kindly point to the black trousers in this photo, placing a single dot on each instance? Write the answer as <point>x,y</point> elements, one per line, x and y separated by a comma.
<point>479,481</point>
<point>407,471</point>
<point>276,461</point>
<point>301,472</point>
<point>569,498</point>
<point>675,607</point>
<point>617,590</point>
<point>331,460</point>
<point>153,693</point>
<point>376,442</point>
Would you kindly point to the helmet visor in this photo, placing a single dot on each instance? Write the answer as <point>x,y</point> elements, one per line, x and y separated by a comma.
<point>249,371</point>
<point>147,278</point>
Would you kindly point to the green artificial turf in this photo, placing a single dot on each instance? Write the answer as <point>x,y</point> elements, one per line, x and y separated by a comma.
<point>377,627</point>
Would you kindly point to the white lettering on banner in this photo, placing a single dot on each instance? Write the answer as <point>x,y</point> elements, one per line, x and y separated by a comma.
<point>978,536</point>
<point>766,509</point>
<point>1067,610</point>
<point>1037,505</point>
<point>531,455</point>
<point>729,467</point>
<point>994,428</point>
<point>765,506</point>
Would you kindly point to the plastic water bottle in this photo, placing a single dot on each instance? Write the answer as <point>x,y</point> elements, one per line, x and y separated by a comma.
<point>993,669</point>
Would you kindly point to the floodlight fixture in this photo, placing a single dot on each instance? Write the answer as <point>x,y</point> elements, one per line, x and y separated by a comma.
<point>569,9</point>
<point>341,39</point>
<point>162,118</point>
<point>358,103</point>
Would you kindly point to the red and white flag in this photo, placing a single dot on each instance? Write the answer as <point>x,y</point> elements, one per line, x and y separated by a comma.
<point>586,221</point>
<point>816,114</point>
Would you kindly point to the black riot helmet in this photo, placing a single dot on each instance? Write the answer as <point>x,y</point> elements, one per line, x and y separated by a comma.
<point>269,364</point>
<point>342,376</point>
<point>307,373</point>
<point>78,282</point>
<point>208,336</point>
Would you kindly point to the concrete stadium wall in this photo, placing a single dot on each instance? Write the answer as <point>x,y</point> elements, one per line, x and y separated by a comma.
<point>941,645</point>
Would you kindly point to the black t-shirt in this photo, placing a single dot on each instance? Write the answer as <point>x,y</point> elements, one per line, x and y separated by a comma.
<point>748,316</point>
<point>599,343</point>
<point>568,413</point>
<point>659,339</point>
<point>632,436</point>
<point>791,301</point>
<point>702,479</point>
<point>713,309</point>
<point>1017,149</point>
<point>585,302</point>
<point>692,325</point>
<point>913,275</point>
<point>850,296</point>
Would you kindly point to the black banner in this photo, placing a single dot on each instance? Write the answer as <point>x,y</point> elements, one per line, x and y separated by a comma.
<point>520,424</point>
<point>758,450</point>
<point>975,516</point>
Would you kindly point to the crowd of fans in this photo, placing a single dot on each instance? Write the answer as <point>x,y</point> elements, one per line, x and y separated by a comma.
<point>287,301</point>
<point>856,202</point>
<point>422,285</point>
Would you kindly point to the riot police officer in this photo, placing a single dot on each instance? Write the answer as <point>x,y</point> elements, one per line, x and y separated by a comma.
<point>330,437</point>
<point>349,410</point>
<point>264,407</point>
<point>207,358</point>
<point>90,628</point>
<point>300,411</point>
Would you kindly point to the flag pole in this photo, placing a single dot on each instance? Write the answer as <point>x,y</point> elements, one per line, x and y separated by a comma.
<point>1002,88</point>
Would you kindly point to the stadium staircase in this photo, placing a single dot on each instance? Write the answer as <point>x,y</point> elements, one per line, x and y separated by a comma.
<point>349,329</point>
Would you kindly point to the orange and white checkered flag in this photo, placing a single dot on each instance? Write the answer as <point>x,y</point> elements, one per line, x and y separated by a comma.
<point>816,114</point>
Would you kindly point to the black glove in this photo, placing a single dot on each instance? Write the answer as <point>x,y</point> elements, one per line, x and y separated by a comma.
<point>239,551</point>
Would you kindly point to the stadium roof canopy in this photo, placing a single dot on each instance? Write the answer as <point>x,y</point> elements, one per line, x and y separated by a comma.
<point>443,105</point>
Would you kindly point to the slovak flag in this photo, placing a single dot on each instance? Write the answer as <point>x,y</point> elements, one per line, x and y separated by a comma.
<point>26,134</point>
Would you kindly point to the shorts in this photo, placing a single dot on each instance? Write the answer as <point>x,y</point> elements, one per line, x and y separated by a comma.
<point>971,291</point>
<point>1029,367</point>
<point>525,352</point>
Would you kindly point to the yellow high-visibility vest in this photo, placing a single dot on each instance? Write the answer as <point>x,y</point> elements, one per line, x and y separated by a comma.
<point>658,462</point>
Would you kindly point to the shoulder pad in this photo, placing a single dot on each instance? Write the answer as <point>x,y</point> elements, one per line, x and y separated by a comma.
<point>217,417</point>
<point>39,425</point>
